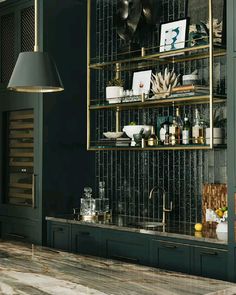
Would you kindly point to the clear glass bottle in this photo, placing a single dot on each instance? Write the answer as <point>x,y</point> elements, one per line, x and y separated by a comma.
<point>197,129</point>
<point>102,189</point>
<point>152,139</point>
<point>179,127</point>
<point>164,131</point>
<point>186,133</point>
<point>173,132</point>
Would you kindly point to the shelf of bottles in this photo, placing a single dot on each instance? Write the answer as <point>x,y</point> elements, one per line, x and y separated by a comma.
<point>19,188</point>
<point>172,128</point>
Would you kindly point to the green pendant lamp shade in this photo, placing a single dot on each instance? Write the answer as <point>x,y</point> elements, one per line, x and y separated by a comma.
<point>35,72</point>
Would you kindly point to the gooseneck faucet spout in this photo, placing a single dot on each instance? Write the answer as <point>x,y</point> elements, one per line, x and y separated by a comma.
<point>164,209</point>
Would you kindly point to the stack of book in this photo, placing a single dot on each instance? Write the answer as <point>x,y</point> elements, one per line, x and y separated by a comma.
<point>189,90</point>
<point>118,142</point>
<point>123,141</point>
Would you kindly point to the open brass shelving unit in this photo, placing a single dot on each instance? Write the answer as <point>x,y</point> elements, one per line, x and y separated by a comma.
<point>147,60</point>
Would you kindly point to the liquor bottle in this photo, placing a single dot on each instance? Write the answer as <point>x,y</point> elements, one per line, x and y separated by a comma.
<point>173,132</point>
<point>163,131</point>
<point>179,127</point>
<point>167,138</point>
<point>152,139</point>
<point>197,129</point>
<point>186,131</point>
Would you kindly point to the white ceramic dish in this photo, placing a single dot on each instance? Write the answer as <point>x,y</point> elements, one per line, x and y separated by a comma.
<point>113,135</point>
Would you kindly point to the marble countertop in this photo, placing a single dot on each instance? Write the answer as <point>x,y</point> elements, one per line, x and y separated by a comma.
<point>33,270</point>
<point>132,224</point>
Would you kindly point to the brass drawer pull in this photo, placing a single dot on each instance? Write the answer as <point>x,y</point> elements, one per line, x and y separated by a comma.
<point>58,229</point>
<point>13,235</point>
<point>124,258</point>
<point>33,190</point>
<point>169,246</point>
<point>83,233</point>
<point>209,253</point>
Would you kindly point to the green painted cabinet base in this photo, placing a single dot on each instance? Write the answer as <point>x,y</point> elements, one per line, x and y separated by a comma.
<point>20,229</point>
<point>186,256</point>
<point>129,247</point>
<point>211,263</point>
<point>86,240</point>
<point>171,256</point>
<point>59,236</point>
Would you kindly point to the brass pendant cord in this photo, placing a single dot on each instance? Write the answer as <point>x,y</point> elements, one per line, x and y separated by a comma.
<point>36,45</point>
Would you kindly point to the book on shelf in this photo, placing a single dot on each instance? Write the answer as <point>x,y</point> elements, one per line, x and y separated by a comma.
<point>120,142</point>
<point>123,141</point>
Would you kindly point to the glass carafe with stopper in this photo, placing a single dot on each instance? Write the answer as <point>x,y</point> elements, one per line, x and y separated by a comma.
<point>102,203</point>
<point>87,204</point>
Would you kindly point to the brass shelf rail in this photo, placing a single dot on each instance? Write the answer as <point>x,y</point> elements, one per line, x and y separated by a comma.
<point>197,99</point>
<point>176,56</point>
<point>157,148</point>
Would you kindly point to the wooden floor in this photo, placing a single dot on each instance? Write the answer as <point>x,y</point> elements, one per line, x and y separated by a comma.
<point>31,270</point>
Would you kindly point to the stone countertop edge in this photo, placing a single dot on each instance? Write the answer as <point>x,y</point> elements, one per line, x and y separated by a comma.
<point>138,230</point>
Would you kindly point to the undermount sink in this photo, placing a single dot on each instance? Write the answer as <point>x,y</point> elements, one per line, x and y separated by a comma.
<point>149,225</point>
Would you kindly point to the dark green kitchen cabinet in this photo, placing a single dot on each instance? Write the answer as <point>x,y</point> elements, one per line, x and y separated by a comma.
<point>210,262</point>
<point>59,236</point>
<point>87,240</point>
<point>127,246</point>
<point>18,229</point>
<point>59,118</point>
<point>171,255</point>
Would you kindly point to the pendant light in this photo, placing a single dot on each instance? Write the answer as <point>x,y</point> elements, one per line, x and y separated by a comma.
<point>35,71</point>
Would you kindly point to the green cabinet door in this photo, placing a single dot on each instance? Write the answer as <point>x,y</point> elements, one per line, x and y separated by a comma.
<point>87,240</point>
<point>171,256</point>
<point>129,247</point>
<point>59,236</point>
<point>19,229</point>
<point>209,262</point>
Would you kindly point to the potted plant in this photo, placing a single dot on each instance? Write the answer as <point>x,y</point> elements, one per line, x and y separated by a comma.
<point>114,90</point>
<point>219,124</point>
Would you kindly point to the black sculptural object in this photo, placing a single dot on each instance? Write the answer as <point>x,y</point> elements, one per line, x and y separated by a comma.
<point>131,15</point>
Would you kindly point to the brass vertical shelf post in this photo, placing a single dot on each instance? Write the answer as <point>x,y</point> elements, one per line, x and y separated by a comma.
<point>211,61</point>
<point>118,71</point>
<point>117,119</point>
<point>88,70</point>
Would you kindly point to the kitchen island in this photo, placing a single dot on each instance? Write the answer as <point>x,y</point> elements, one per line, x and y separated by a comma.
<point>27,269</point>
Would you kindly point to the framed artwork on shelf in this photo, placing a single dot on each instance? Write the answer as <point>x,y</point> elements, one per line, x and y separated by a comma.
<point>199,19</point>
<point>141,82</point>
<point>173,35</point>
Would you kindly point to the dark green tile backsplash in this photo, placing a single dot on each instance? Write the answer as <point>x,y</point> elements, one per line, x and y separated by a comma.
<point>130,175</point>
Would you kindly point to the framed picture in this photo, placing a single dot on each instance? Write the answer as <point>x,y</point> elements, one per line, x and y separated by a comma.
<point>173,35</point>
<point>200,12</point>
<point>141,82</point>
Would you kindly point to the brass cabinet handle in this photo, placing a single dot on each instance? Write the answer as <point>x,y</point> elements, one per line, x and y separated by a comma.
<point>209,253</point>
<point>169,246</point>
<point>124,258</point>
<point>33,190</point>
<point>84,233</point>
<point>58,229</point>
<point>15,236</point>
